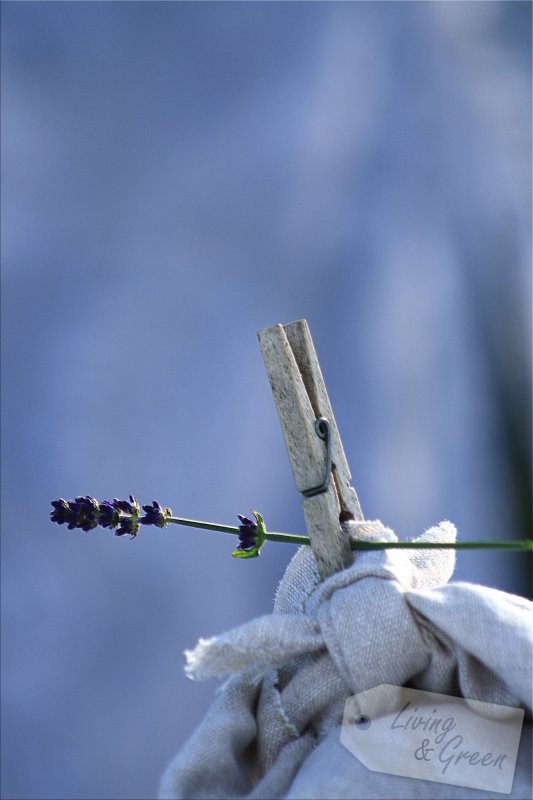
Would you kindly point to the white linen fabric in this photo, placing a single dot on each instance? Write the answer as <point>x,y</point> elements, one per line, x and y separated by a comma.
<point>273,730</point>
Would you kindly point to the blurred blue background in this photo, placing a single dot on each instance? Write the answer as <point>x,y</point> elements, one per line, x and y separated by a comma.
<point>177,176</point>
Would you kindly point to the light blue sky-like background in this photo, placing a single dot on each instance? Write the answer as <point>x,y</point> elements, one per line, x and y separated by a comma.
<point>176,176</point>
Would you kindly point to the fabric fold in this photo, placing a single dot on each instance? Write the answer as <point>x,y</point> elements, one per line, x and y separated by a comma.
<point>261,643</point>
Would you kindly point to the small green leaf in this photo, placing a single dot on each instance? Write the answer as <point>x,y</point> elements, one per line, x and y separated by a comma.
<point>246,553</point>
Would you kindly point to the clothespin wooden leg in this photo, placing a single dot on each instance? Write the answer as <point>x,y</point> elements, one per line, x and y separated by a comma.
<point>301,399</point>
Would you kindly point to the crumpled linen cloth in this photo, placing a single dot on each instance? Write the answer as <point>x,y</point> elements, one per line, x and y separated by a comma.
<point>273,730</point>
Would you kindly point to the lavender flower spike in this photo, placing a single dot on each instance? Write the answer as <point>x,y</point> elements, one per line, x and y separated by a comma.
<point>86,513</point>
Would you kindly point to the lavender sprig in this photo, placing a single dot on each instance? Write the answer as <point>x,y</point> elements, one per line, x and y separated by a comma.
<point>125,517</point>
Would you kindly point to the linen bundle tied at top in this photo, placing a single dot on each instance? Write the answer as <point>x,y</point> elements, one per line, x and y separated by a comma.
<point>390,618</point>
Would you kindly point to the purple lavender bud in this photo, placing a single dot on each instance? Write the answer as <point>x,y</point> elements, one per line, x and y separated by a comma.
<point>87,503</point>
<point>128,525</point>
<point>62,512</point>
<point>247,533</point>
<point>128,507</point>
<point>79,513</point>
<point>87,513</point>
<point>155,515</point>
<point>87,523</point>
<point>109,516</point>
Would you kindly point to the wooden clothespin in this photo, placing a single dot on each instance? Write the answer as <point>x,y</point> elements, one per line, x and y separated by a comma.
<point>315,449</point>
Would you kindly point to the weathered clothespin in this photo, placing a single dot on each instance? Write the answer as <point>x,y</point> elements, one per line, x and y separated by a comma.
<point>315,449</point>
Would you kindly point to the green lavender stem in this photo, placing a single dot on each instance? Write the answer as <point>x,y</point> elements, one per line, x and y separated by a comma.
<point>290,538</point>
<point>480,545</point>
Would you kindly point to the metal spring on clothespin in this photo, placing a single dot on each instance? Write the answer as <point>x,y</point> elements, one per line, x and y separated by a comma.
<point>322,428</point>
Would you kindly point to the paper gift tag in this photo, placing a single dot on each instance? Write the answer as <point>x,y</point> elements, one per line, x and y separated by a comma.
<point>433,737</point>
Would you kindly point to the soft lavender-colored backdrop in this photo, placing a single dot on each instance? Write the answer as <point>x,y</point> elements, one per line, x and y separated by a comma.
<point>175,177</point>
